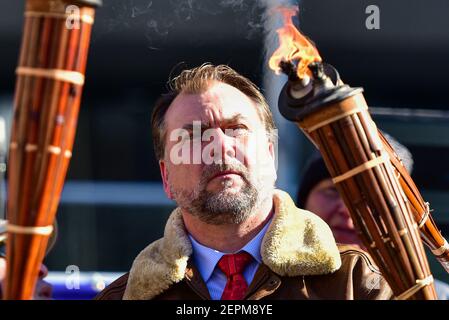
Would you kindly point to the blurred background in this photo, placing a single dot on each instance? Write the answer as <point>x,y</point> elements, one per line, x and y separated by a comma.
<point>113,204</point>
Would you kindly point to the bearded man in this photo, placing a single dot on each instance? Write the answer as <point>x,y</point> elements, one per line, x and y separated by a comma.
<point>233,235</point>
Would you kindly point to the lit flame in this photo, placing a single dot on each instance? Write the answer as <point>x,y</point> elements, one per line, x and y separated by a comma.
<point>293,45</point>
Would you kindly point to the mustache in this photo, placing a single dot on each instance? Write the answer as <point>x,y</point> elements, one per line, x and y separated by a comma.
<point>215,168</point>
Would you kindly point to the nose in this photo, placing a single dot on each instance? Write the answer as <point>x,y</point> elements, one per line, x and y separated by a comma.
<point>344,215</point>
<point>225,143</point>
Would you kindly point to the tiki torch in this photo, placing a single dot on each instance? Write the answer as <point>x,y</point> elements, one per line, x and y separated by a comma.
<point>385,205</point>
<point>50,78</point>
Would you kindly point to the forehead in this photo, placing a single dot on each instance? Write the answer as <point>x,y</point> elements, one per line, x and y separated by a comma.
<point>324,184</point>
<point>219,102</point>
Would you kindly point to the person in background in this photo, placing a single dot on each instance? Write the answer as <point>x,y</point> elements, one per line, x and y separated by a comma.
<point>318,194</point>
<point>43,290</point>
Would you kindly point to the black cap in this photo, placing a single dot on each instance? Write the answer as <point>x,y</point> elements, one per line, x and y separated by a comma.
<point>315,171</point>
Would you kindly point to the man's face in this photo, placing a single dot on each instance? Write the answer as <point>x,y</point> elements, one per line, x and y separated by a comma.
<point>324,200</point>
<point>224,164</point>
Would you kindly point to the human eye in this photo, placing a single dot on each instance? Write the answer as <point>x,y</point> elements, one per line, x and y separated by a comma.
<point>238,130</point>
<point>195,135</point>
<point>331,192</point>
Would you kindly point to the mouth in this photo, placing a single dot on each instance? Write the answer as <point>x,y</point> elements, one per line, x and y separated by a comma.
<point>346,235</point>
<point>225,174</point>
<point>343,230</point>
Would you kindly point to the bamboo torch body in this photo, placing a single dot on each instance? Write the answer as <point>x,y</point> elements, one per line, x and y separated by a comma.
<point>388,211</point>
<point>335,117</point>
<point>430,234</point>
<point>50,78</point>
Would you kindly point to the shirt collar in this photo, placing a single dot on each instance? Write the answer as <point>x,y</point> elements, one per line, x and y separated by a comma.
<point>206,258</point>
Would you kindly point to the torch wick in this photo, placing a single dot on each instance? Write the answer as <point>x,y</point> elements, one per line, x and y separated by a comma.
<point>317,70</point>
<point>289,69</point>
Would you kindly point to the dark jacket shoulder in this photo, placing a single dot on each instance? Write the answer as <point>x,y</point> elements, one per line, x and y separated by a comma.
<point>115,290</point>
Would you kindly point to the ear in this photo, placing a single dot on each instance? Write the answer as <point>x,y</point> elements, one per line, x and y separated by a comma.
<point>272,150</point>
<point>164,175</point>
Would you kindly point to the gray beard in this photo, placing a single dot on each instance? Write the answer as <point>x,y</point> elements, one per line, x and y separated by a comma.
<point>219,208</point>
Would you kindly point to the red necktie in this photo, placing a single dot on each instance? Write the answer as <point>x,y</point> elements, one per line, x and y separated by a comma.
<point>232,266</point>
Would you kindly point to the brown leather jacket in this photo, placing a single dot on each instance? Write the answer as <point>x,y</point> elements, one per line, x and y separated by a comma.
<point>300,261</point>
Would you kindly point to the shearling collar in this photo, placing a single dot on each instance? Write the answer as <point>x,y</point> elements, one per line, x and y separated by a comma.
<point>296,243</point>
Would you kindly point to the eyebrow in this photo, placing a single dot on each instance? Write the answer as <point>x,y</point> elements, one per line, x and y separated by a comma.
<point>206,124</point>
<point>189,126</point>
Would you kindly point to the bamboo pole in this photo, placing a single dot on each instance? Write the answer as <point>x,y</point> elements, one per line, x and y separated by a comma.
<point>50,79</point>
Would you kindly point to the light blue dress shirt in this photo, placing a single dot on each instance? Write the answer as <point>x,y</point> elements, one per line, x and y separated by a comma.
<point>206,260</point>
